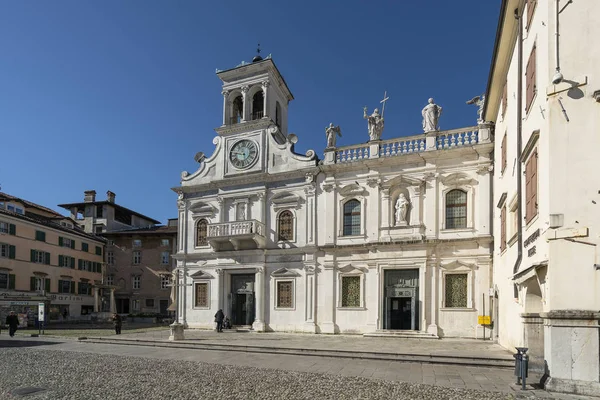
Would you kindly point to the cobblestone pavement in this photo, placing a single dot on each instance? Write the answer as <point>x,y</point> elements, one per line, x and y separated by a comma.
<point>76,370</point>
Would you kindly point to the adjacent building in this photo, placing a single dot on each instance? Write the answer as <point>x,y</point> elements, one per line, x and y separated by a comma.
<point>543,97</point>
<point>138,255</point>
<point>45,257</point>
<point>391,236</point>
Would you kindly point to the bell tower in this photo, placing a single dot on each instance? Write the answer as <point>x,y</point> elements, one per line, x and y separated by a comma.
<point>255,96</point>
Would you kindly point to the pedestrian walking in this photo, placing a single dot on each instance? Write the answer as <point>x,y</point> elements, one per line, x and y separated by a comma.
<point>117,321</point>
<point>219,316</point>
<point>13,323</point>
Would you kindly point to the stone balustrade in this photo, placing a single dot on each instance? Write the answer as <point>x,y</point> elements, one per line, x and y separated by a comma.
<point>439,140</point>
<point>236,228</point>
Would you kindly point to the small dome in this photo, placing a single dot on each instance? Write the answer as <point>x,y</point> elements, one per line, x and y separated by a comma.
<point>257,58</point>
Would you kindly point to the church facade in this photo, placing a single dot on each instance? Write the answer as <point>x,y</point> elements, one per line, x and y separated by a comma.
<point>389,236</point>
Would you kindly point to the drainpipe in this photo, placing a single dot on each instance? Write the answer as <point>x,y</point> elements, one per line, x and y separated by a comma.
<point>558,77</point>
<point>519,142</point>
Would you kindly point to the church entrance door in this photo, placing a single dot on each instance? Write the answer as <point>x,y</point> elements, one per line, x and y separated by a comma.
<point>242,299</point>
<point>401,313</point>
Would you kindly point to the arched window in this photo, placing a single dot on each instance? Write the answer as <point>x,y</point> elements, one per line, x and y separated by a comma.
<point>285,227</point>
<point>352,218</point>
<point>258,104</point>
<point>456,209</point>
<point>201,229</point>
<point>278,114</point>
<point>237,110</point>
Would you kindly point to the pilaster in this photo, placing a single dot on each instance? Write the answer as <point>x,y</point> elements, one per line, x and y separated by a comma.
<point>434,290</point>
<point>246,109</point>
<point>310,296</point>
<point>259,287</point>
<point>225,94</point>
<point>329,300</point>
<point>265,88</point>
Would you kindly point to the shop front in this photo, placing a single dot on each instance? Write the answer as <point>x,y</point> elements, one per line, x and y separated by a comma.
<point>24,304</point>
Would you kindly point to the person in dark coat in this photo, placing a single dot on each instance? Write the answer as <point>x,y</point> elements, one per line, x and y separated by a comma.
<point>219,316</point>
<point>13,323</point>
<point>117,321</point>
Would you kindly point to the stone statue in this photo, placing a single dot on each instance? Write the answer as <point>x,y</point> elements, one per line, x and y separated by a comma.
<point>401,209</point>
<point>375,124</point>
<point>480,102</point>
<point>431,116</point>
<point>332,132</point>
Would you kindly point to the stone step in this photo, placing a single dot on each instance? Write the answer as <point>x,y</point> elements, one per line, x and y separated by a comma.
<point>402,334</point>
<point>466,360</point>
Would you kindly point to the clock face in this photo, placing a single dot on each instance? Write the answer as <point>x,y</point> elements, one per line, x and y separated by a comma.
<point>243,154</point>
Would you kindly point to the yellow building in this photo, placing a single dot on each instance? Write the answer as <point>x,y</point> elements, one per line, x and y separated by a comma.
<point>45,257</point>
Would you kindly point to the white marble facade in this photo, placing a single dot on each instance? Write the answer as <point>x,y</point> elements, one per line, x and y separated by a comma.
<point>285,242</point>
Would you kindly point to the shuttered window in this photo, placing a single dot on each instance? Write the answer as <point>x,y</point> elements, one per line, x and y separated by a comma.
<point>503,153</point>
<point>531,207</point>
<point>530,11</point>
<point>530,80</point>
<point>503,229</point>
<point>504,98</point>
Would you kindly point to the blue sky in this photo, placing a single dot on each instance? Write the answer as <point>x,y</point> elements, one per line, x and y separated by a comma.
<point>120,95</point>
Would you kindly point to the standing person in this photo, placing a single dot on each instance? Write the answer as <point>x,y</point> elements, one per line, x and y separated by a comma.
<point>13,323</point>
<point>219,316</point>
<point>117,321</point>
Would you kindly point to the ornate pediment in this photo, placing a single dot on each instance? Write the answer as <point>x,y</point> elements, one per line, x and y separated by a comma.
<point>284,272</point>
<point>457,179</point>
<point>351,190</point>
<point>401,180</point>
<point>458,265</point>
<point>201,275</point>
<point>351,269</point>
<point>286,200</point>
<point>201,209</point>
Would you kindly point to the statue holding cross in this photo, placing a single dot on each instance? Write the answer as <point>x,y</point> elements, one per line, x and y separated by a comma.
<point>375,120</point>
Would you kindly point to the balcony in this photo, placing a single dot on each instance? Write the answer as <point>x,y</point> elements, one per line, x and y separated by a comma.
<point>237,235</point>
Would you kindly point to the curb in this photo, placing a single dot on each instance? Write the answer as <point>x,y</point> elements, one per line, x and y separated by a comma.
<point>491,362</point>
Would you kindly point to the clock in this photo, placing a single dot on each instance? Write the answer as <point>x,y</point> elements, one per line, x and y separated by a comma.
<point>243,154</point>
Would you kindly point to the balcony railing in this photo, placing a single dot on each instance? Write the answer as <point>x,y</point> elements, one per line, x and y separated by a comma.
<point>229,229</point>
<point>441,140</point>
<point>258,115</point>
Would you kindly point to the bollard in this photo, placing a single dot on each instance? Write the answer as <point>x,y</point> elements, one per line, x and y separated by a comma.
<point>521,366</point>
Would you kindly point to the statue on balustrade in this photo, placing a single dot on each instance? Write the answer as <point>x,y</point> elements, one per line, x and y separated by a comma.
<point>375,121</point>
<point>401,210</point>
<point>431,116</point>
<point>332,132</point>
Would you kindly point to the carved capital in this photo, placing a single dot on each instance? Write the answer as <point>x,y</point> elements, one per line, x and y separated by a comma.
<point>220,200</point>
<point>310,190</point>
<point>181,204</point>
<point>260,270</point>
<point>309,269</point>
<point>219,272</point>
<point>328,187</point>
<point>225,93</point>
<point>245,89</point>
<point>265,84</point>
<point>373,182</point>
<point>484,169</point>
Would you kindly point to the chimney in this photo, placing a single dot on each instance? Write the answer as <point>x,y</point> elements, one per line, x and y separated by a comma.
<point>89,196</point>
<point>110,197</point>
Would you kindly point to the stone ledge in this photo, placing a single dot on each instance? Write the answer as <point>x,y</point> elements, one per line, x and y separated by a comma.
<point>571,314</point>
<point>570,386</point>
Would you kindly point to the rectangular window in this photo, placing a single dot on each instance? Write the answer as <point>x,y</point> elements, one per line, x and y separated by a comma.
<point>456,291</point>
<point>110,280</point>
<point>64,286</point>
<point>3,227</point>
<point>165,281</point>
<point>85,288</point>
<point>530,80</point>
<point>137,243</point>
<point>40,257</point>
<point>98,229</point>
<point>135,305</point>
<point>503,154</point>
<point>65,261</point>
<point>164,242</point>
<point>84,247</point>
<point>137,257</point>
<point>136,282</point>
<point>351,291</point>
<point>285,295</point>
<point>99,212</point>
<point>531,206</point>
<point>7,251</point>
<point>40,236</point>
<point>201,295</point>
<point>164,258</point>
<point>150,303</point>
<point>110,258</point>
<point>503,229</point>
<point>4,280</point>
<point>98,250</point>
<point>38,284</point>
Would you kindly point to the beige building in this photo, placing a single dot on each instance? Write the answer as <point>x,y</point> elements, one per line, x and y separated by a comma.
<point>45,257</point>
<point>543,95</point>
<point>138,255</point>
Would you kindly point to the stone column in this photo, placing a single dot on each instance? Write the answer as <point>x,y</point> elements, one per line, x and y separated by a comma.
<point>246,109</point>
<point>259,287</point>
<point>96,299</point>
<point>434,296</point>
<point>329,302</point>
<point>225,94</point>
<point>184,295</point>
<point>265,88</point>
<point>261,208</point>
<point>113,305</point>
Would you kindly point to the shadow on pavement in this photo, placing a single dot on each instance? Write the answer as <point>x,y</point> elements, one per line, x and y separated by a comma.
<point>24,343</point>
